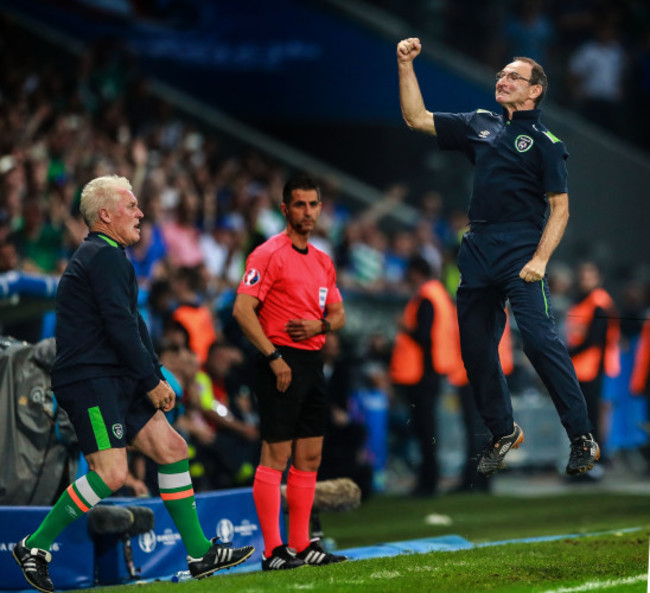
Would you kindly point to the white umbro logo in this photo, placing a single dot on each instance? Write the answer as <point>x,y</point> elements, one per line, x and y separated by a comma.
<point>484,133</point>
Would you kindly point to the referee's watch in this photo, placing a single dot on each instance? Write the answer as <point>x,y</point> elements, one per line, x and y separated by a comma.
<point>273,356</point>
<point>325,326</point>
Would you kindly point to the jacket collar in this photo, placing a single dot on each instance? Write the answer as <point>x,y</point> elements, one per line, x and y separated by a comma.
<point>526,115</point>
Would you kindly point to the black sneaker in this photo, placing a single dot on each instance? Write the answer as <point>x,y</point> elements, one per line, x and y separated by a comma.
<point>220,555</point>
<point>282,558</point>
<point>34,564</point>
<point>495,451</point>
<point>315,555</point>
<point>584,453</point>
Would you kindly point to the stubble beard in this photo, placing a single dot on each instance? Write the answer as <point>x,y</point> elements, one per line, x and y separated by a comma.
<point>300,230</point>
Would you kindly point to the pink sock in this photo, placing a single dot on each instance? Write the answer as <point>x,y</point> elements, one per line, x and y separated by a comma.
<point>301,487</point>
<point>266,494</point>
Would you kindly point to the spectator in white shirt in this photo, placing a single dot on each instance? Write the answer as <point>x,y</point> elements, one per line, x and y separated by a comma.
<point>597,70</point>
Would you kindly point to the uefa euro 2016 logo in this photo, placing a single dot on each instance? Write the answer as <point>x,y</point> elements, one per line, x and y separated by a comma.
<point>225,530</point>
<point>251,277</point>
<point>147,541</point>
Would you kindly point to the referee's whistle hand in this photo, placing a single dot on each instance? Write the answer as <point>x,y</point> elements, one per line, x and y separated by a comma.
<point>301,329</point>
<point>282,374</point>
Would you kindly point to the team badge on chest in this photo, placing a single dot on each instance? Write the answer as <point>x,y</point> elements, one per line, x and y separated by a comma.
<point>523,143</point>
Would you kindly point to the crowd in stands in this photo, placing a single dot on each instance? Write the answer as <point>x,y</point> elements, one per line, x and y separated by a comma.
<point>596,52</point>
<point>208,201</point>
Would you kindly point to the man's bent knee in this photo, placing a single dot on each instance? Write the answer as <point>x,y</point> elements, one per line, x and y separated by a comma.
<point>535,343</point>
<point>111,466</point>
<point>175,449</point>
<point>171,449</point>
<point>160,442</point>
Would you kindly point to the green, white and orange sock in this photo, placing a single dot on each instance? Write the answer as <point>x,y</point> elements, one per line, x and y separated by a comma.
<point>78,498</point>
<point>177,493</point>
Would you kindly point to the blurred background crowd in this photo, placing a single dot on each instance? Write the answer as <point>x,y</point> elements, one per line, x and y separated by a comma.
<point>209,199</point>
<point>595,52</point>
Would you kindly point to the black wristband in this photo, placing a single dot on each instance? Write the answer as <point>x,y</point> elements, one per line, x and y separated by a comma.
<point>273,356</point>
<point>325,326</point>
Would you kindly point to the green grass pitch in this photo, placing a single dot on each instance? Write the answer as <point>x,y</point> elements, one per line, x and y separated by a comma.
<point>616,561</point>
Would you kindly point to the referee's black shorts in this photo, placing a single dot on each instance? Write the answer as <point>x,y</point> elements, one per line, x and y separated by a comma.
<point>301,411</point>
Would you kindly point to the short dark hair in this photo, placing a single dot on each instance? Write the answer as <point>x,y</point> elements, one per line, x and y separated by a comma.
<point>300,181</point>
<point>171,325</point>
<point>216,345</point>
<point>538,76</point>
<point>419,265</point>
<point>191,275</point>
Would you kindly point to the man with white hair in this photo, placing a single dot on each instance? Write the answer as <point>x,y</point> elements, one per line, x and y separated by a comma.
<point>108,379</point>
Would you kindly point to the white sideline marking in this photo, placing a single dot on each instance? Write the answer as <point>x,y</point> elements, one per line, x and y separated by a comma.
<point>386,574</point>
<point>435,519</point>
<point>596,585</point>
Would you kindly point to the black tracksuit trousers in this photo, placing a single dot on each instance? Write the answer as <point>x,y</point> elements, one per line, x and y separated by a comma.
<point>490,259</point>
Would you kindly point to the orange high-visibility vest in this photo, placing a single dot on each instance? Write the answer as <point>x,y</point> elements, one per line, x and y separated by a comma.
<point>641,368</point>
<point>199,324</point>
<point>458,376</point>
<point>407,361</point>
<point>579,317</point>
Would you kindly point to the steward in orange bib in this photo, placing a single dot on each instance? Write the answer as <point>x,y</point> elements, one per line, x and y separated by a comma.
<point>423,352</point>
<point>593,333</point>
<point>640,380</point>
<point>193,315</point>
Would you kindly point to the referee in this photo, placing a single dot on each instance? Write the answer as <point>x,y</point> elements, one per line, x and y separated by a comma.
<point>287,301</point>
<point>520,174</point>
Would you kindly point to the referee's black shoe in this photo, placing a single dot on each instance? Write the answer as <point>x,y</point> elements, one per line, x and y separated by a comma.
<point>315,555</point>
<point>34,563</point>
<point>584,453</point>
<point>282,558</point>
<point>495,451</point>
<point>220,555</point>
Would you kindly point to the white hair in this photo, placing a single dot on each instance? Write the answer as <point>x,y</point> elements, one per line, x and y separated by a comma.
<point>99,193</point>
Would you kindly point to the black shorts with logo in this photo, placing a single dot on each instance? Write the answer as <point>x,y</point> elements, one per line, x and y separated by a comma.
<point>106,412</point>
<point>301,411</point>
